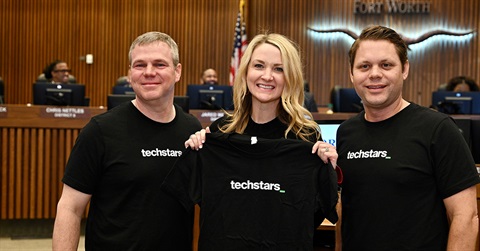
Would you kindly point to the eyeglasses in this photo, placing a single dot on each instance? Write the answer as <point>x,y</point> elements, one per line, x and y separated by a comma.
<point>63,71</point>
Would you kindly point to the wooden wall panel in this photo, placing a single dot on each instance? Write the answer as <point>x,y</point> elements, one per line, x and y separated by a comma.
<point>37,32</point>
<point>34,150</point>
<point>31,176</point>
<point>34,33</point>
<point>326,60</point>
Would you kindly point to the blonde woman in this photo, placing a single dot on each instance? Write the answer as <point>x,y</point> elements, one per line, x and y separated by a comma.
<point>268,98</point>
<point>239,181</point>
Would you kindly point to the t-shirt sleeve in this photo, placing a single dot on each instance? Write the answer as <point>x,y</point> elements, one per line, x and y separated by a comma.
<point>454,165</point>
<point>184,179</point>
<point>327,196</point>
<point>83,168</point>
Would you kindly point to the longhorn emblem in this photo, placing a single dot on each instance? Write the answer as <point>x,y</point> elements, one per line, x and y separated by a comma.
<point>407,40</point>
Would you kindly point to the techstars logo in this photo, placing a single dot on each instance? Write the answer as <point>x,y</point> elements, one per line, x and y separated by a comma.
<point>369,154</point>
<point>259,185</point>
<point>160,153</point>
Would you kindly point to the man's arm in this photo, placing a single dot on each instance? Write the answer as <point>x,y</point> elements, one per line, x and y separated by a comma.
<point>70,208</point>
<point>463,216</point>
<point>338,225</point>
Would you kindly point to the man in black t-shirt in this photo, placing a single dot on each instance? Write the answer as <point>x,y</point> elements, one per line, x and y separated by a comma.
<point>409,176</point>
<point>120,159</point>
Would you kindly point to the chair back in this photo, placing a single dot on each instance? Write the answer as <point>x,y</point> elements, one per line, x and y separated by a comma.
<point>345,100</point>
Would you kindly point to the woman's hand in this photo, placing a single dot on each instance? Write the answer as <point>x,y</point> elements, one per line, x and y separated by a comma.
<point>326,152</point>
<point>196,140</point>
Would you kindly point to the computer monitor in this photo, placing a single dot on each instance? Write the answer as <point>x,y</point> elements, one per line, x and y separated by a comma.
<point>117,99</point>
<point>182,101</point>
<point>58,94</point>
<point>123,90</point>
<point>345,100</point>
<point>328,130</point>
<point>456,102</point>
<point>210,97</point>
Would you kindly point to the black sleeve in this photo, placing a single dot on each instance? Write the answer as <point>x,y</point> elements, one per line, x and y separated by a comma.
<point>327,196</point>
<point>184,179</point>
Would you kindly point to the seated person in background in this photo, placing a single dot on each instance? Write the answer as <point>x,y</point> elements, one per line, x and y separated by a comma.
<point>309,100</point>
<point>123,81</point>
<point>462,84</point>
<point>209,77</point>
<point>57,72</point>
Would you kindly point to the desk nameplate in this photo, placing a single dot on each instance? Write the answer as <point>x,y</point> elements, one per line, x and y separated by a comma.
<point>24,116</point>
<point>64,112</point>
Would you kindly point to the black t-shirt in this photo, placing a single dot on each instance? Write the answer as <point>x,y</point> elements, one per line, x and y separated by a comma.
<point>396,174</point>
<point>255,193</point>
<point>121,158</point>
<point>273,129</point>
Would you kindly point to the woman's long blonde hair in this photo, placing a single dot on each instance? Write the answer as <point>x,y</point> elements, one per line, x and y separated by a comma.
<point>291,111</point>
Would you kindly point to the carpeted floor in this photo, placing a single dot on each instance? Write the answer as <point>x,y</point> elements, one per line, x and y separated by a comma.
<point>28,229</point>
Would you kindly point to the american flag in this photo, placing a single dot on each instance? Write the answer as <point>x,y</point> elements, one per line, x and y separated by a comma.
<point>239,43</point>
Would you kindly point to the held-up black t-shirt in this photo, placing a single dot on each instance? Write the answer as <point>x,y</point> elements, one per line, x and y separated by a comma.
<point>255,193</point>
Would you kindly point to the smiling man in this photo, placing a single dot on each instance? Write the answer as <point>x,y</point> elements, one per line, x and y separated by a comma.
<point>121,158</point>
<point>418,192</point>
<point>209,77</point>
